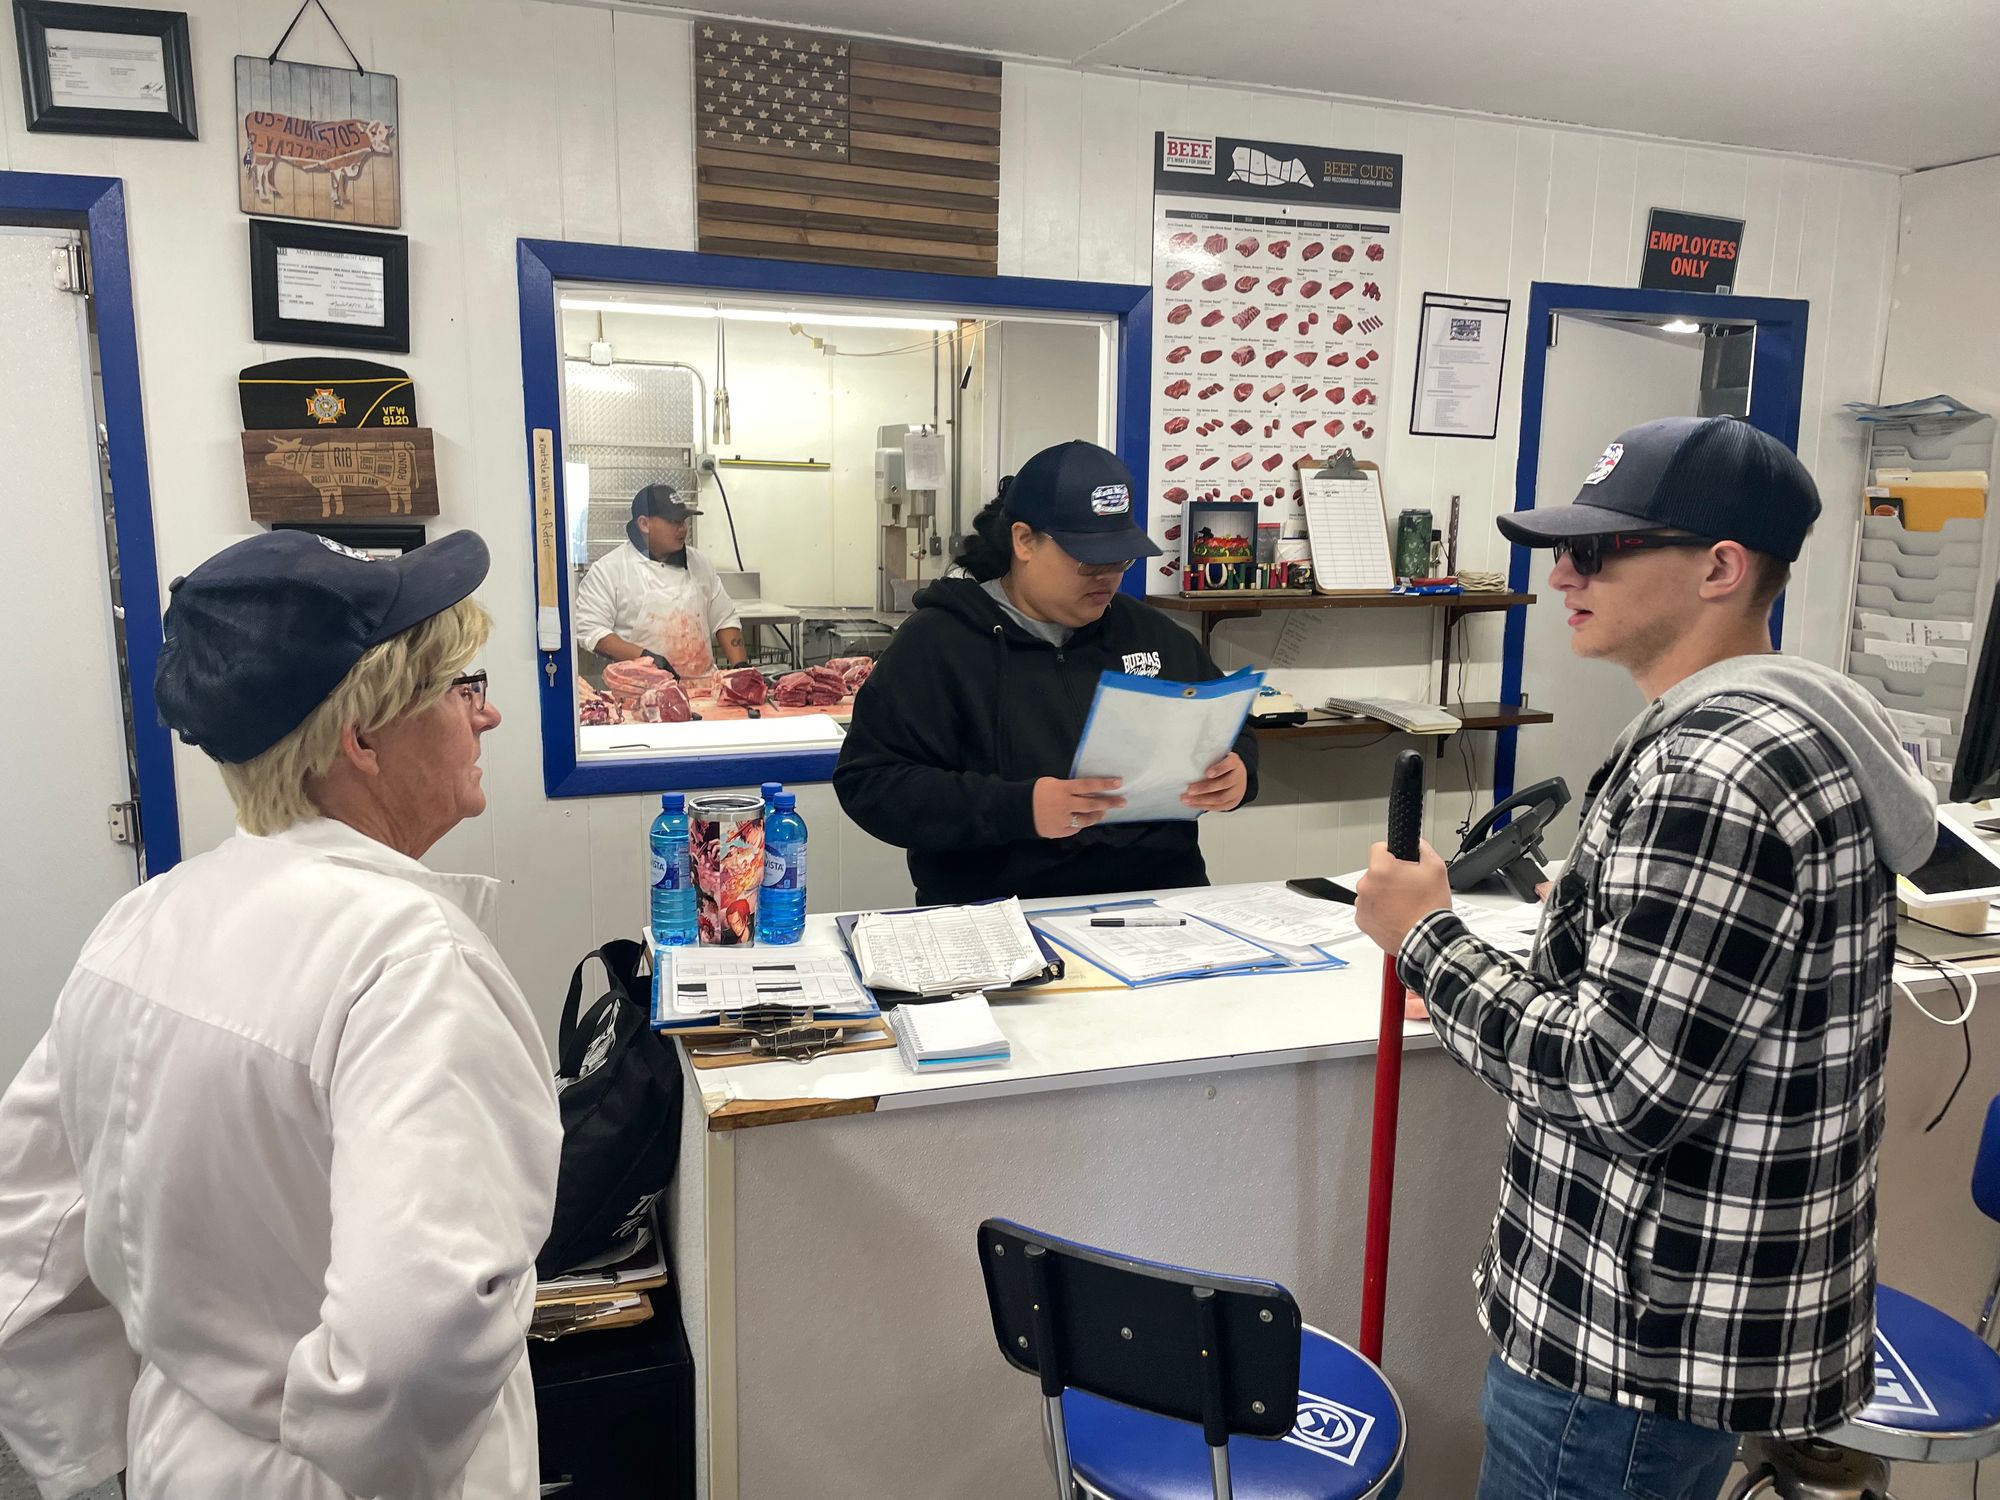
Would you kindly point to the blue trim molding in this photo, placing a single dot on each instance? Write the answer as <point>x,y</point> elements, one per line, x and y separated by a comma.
<point>1777,378</point>
<point>542,264</point>
<point>96,205</point>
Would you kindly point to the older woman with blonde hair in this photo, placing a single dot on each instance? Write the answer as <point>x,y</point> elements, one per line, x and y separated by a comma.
<point>277,1174</point>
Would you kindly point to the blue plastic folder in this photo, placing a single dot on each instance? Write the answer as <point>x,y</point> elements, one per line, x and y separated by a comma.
<point>1158,737</point>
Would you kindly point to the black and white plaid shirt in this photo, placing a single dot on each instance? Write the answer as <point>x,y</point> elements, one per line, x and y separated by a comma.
<point>1693,1061</point>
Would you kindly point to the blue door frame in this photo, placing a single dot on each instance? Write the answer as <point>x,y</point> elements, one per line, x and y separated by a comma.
<point>543,263</point>
<point>96,205</point>
<point>1777,378</point>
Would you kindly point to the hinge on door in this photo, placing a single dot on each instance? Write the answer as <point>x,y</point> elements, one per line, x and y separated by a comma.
<point>122,818</point>
<point>67,270</point>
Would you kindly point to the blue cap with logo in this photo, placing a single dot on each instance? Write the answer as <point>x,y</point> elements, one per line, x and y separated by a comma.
<point>258,636</point>
<point>1713,477</point>
<point>1081,495</point>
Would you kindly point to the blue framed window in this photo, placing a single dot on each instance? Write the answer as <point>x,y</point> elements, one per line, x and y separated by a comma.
<point>1777,380</point>
<point>557,279</point>
<point>96,205</point>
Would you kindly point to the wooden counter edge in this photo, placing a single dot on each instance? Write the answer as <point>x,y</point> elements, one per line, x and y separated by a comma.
<point>744,1114</point>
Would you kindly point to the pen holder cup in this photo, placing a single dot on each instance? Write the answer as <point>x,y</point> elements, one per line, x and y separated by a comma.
<point>726,851</point>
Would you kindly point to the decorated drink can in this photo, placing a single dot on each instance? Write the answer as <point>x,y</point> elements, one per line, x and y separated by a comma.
<point>726,849</point>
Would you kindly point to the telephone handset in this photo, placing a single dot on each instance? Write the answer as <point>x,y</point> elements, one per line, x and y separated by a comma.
<point>1510,853</point>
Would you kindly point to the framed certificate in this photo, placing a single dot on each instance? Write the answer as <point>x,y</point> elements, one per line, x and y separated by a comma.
<point>338,288</point>
<point>105,70</point>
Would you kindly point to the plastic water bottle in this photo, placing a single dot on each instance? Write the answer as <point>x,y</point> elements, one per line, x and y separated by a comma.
<point>781,905</point>
<point>770,790</point>
<point>673,877</point>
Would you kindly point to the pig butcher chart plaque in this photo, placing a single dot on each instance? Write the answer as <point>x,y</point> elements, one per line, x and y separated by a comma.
<point>318,143</point>
<point>1274,294</point>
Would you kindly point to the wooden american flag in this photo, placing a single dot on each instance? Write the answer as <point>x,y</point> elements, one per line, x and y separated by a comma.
<point>812,146</point>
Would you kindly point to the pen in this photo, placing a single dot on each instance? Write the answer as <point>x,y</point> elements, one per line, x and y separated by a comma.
<point>1138,921</point>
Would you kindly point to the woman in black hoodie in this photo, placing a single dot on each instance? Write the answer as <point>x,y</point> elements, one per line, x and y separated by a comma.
<point>962,739</point>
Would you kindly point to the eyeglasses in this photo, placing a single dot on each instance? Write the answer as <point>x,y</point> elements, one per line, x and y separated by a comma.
<point>1104,570</point>
<point>1587,553</point>
<point>472,688</point>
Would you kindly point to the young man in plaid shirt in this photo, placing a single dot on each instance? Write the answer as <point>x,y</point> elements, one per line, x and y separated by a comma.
<point>1685,1245</point>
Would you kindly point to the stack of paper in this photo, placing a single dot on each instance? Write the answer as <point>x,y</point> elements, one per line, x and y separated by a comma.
<point>1299,928</point>
<point>700,983</point>
<point>1405,714</point>
<point>1151,954</point>
<point>945,949</point>
<point>947,1034</point>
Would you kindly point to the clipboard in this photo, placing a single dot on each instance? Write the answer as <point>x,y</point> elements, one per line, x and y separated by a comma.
<point>1273,962</point>
<point>1347,526</point>
<point>1053,966</point>
<point>736,1023</point>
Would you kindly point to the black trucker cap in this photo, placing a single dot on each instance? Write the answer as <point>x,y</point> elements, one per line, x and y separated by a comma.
<point>1081,495</point>
<point>1714,477</point>
<point>261,633</point>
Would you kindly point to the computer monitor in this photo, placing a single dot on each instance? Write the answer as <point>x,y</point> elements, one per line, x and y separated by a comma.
<point>1975,771</point>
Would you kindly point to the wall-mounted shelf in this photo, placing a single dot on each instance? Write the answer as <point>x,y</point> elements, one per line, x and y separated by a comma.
<point>1248,607</point>
<point>1475,716</point>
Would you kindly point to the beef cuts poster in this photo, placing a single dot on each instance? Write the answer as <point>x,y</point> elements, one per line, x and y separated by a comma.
<point>1274,295</point>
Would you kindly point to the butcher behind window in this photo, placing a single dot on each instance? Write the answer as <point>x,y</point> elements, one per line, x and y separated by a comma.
<point>659,599</point>
<point>962,738</point>
<point>276,1177</point>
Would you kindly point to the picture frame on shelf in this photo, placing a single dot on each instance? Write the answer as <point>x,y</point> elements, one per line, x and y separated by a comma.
<point>330,287</point>
<point>105,70</point>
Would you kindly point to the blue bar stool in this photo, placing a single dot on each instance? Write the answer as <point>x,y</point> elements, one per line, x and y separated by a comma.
<point>1937,1390</point>
<point>1159,1383</point>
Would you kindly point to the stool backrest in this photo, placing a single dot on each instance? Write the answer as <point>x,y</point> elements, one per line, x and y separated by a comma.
<point>1986,1166</point>
<point>1218,1351</point>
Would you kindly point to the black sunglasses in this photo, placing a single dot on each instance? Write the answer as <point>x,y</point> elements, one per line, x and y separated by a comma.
<point>1587,553</point>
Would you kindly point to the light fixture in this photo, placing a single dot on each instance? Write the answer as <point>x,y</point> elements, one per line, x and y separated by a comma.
<point>1681,325</point>
<point>756,314</point>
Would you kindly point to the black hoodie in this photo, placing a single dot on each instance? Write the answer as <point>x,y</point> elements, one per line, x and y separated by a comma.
<point>965,711</point>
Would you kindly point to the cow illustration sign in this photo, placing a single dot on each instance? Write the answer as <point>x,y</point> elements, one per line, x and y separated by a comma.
<point>318,143</point>
<point>331,474</point>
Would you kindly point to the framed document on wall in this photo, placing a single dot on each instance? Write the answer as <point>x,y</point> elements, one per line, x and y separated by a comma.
<point>338,288</point>
<point>105,70</point>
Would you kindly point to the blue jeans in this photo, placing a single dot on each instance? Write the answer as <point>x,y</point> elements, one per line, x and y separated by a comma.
<point>1544,1443</point>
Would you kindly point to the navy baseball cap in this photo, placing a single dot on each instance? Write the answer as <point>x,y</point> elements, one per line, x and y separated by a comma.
<point>1081,495</point>
<point>664,501</point>
<point>1714,477</point>
<point>258,636</point>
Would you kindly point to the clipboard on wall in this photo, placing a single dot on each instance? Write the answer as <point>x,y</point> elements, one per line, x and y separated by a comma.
<point>1347,526</point>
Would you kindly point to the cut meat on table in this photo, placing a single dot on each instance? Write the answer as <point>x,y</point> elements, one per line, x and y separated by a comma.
<point>630,679</point>
<point>743,688</point>
<point>794,690</point>
<point>595,708</point>
<point>665,704</point>
<point>1178,280</point>
<point>828,685</point>
<point>855,672</point>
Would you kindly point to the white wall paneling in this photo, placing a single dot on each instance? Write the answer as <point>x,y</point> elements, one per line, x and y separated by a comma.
<point>1490,207</point>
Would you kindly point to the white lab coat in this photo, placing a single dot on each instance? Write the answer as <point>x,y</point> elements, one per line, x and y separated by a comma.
<point>273,1186</point>
<point>674,611</point>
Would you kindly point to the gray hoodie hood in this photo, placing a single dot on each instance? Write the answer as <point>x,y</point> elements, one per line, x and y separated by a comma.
<point>1902,807</point>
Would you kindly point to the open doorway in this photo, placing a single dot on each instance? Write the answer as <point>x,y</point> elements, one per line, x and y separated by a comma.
<point>1601,360</point>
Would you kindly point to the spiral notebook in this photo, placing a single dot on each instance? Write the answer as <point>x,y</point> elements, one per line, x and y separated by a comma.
<point>958,1033</point>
